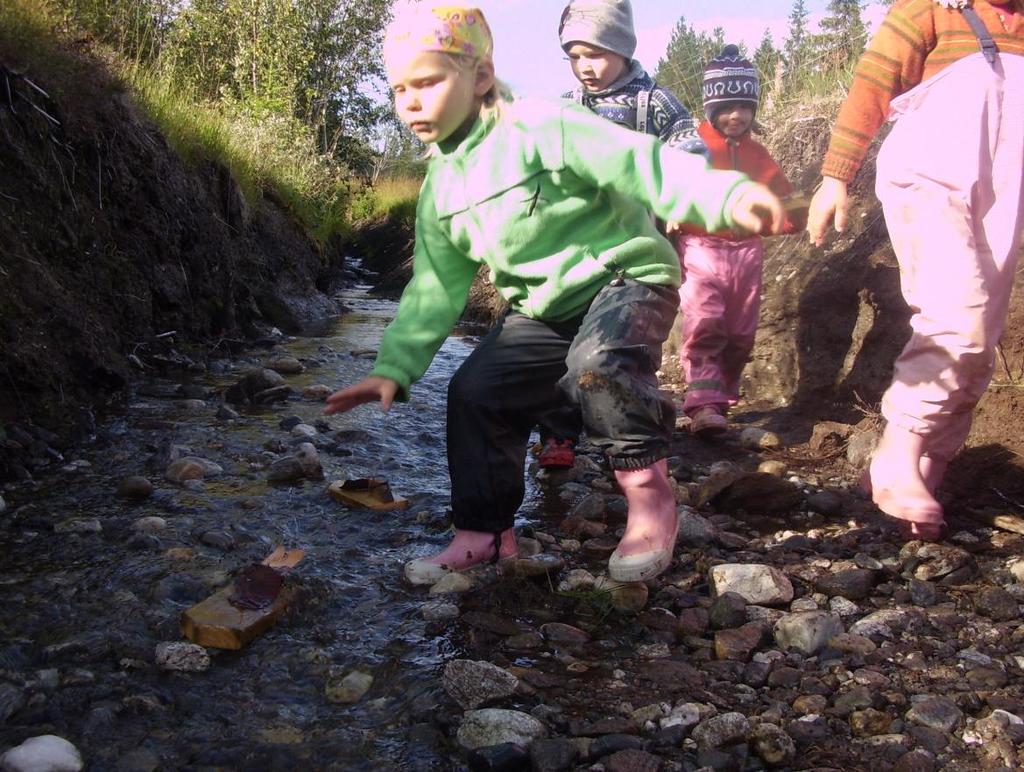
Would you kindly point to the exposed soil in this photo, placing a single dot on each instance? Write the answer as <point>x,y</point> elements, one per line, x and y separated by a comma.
<point>110,242</point>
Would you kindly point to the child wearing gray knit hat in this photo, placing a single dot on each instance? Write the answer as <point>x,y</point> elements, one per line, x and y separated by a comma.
<point>607,24</point>
<point>598,37</point>
<point>599,40</point>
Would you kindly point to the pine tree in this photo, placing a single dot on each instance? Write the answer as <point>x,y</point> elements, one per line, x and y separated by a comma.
<point>795,49</point>
<point>681,70</point>
<point>843,35</point>
<point>766,58</point>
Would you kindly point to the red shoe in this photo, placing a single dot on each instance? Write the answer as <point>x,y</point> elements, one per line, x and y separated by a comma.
<point>557,454</point>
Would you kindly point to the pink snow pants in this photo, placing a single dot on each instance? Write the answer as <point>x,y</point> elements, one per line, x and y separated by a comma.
<point>950,182</point>
<point>720,300</point>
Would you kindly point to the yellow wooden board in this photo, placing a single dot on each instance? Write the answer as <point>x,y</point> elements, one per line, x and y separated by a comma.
<point>217,624</point>
<point>366,493</point>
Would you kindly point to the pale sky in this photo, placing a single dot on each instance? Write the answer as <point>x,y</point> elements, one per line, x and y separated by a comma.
<point>528,57</point>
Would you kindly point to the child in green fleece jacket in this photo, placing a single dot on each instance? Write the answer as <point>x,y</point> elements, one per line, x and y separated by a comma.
<point>554,201</point>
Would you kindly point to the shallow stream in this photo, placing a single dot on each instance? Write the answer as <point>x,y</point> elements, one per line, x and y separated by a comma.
<point>87,595</point>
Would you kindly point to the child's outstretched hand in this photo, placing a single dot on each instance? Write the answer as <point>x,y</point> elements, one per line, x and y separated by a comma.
<point>372,389</point>
<point>758,210</point>
<point>830,202</point>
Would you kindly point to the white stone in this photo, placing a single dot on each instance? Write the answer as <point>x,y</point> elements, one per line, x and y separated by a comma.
<point>474,683</point>
<point>807,631</point>
<point>880,623</point>
<point>349,689</point>
<point>150,524</point>
<point>843,607</point>
<point>452,583</point>
<point>725,729</point>
<point>578,579</point>
<point>758,584</point>
<point>180,656</point>
<point>648,713</point>
<point>46,753</point>
<point>1016,565</point>
<point>686,715</point>
<point>303,430</point>
<point>494,726</point>
<point>753,438</point>
<point>804,604</point>
<point>439,610</point>
<point>764,614</point>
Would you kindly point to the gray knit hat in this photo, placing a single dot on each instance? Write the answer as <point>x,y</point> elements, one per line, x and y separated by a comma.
<point>730,78</point>
<point>607,24</point>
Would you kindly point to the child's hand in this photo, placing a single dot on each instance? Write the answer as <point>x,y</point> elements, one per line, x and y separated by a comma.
<point>369,389</point>
<point>758,210</point>
<point>672,228</point>
<point>829,202</point>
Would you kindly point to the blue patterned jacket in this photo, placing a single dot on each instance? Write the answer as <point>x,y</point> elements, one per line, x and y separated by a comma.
<point>665,116</point>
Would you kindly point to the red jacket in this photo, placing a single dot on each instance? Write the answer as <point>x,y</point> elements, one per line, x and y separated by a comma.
<point>749,156</point>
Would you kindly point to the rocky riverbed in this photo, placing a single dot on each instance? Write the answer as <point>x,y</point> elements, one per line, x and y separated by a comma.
<point>793,631</point>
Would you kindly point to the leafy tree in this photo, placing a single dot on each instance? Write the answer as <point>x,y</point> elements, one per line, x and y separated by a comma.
<point>136,28</point>
<point>343,41</point>
<point>309,59</point>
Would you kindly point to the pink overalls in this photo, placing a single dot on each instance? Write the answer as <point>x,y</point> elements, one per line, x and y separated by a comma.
<point>950,182</point>
<point>720,300</point>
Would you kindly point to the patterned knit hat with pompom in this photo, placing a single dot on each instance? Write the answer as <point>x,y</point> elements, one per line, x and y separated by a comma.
<point>730,78</point>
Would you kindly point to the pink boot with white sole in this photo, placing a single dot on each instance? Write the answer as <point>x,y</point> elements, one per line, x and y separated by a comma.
<point>652,525</point>
<point>466,550</point>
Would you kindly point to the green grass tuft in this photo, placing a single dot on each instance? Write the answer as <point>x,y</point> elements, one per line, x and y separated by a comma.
<point>390,198</point>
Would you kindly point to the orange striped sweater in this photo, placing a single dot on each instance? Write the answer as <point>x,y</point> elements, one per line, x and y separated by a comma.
<point>917,39</point>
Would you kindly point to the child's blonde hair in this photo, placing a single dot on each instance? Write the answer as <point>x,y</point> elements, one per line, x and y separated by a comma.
<point>496,97</point>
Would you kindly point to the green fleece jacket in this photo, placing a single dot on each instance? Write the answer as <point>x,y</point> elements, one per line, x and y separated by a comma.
<point>554,201</point>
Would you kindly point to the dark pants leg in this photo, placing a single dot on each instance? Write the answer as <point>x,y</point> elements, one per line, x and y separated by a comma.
<point>561,423</point>
<point>612,372</point>
<point>494,400</point>
<point>606,362</point>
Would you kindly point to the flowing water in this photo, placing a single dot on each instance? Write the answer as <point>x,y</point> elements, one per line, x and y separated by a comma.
<point>87,596</point>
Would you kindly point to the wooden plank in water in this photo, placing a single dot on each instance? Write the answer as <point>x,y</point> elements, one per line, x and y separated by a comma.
<point>367,493</point>
<point>217,624</point>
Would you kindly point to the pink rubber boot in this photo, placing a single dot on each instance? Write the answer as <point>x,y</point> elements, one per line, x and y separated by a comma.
<point>898,486</point>
<point>652,525</point>
<point>933,471</point>
<point>467,549</point>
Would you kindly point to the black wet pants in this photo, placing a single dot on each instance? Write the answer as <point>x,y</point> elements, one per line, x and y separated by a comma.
<point>605,362</point>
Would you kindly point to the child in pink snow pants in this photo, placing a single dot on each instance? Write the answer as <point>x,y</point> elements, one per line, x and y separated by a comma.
<point>720,299</point>
<point>953,205</point>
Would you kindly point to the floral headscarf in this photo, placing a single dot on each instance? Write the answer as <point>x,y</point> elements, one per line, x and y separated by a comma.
<point>448,29</point>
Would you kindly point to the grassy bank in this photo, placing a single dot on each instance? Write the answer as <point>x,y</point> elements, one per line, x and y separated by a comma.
<point>265,152</point>
<point>392,198</point>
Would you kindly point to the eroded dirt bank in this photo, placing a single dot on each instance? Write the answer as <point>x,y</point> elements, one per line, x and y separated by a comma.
<point>109,242</point>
